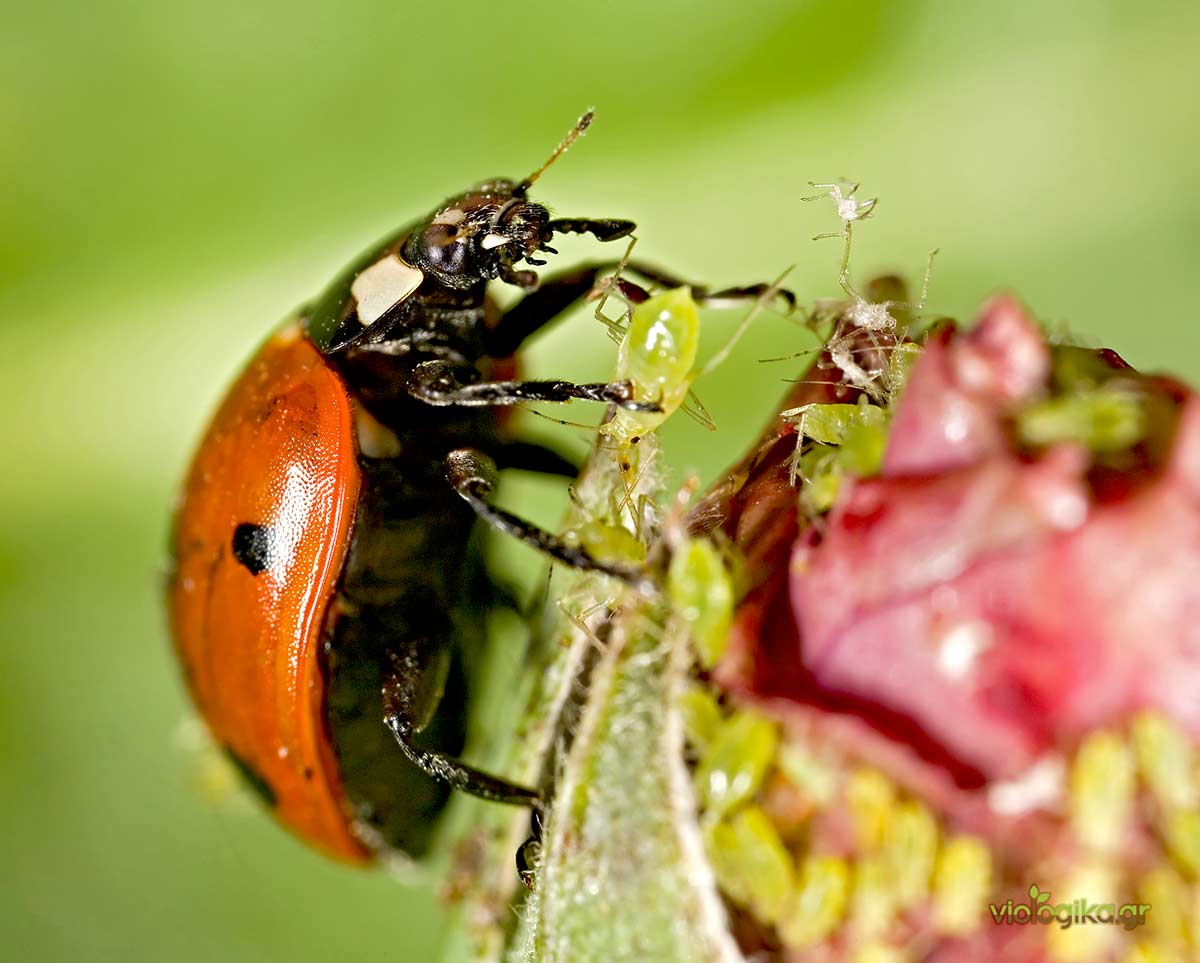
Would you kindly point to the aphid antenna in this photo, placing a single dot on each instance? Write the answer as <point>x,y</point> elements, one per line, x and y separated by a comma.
<point>792,357</point>
<point>822,347</point>
<point>925,283</point>
<point>590,429</point>
<point>760,303</point>
<point>814,382</point>
<point>694,408</point>
<point>573,135</point>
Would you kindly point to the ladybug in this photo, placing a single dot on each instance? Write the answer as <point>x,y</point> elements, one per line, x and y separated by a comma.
<point>326,581</point>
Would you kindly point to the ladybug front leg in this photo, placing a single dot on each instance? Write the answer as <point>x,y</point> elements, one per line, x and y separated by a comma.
<point>560,292</point>
<point>405,709</point>
<point>473,475</point>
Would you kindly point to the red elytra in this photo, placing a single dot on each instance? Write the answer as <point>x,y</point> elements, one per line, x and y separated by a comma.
<point>280,452</point>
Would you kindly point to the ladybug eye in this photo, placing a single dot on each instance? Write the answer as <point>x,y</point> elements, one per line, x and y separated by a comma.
<point>444,248</point>
<point>439,235</point>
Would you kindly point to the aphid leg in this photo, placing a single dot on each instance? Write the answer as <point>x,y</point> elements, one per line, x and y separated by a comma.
<point>538,308</point>
<point>920,306</point>
<point>403,702</point>
<point>473,475</point>
<point>844,270</point>
<point>437,383</point>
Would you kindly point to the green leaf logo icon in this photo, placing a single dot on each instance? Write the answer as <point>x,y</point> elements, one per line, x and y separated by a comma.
<point>1037,895</point>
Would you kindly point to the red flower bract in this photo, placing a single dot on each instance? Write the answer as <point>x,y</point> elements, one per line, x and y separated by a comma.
<point>976,602</point>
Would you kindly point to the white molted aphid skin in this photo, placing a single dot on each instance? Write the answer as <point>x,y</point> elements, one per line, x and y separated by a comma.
<point>382,286</point>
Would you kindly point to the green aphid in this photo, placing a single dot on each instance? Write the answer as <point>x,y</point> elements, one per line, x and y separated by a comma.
<point>701,717</point>
<point>818,905</point>
<point>862,449</point>
<point>835,424</point>
<point>873,903</point>
<point>909,851</point>
<point>610,542</point>
<point>851,439</point>
<point>701,592</point>
<point>721,847</point>
<point>1182,837</point>
<point>962,877</point>
<point>657,354</point>
<point>1101,791</point>
<point>1166,760</point>
<point>733,769</point>
<point>870,797</point>
<point>1105,419</point>
<point>826,424</point>
<point>815,780</point>
<point>822,474</point>
<point>751,863</point>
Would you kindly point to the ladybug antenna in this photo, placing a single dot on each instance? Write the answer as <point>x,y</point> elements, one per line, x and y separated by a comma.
<point>580,126</point>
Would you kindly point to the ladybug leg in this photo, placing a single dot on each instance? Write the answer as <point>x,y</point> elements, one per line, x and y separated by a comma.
<point>473,475</point>
<point>402,708</point>
<point>602,229</point>
<point>529,853</point>
<point>436,383</point>
<point>707,297</point>
<point>529,456</point>
<point>537,309</point>
<point>559,292</point>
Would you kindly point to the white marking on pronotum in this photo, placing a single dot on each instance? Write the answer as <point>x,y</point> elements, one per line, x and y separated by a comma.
<point>382,286</point>
<point>493,240</point>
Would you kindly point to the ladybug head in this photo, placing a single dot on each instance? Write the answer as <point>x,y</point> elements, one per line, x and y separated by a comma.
<point>484,233</point>
<point>480,235</point>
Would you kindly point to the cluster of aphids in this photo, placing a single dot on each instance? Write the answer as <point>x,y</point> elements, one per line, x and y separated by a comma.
<point>324,593</point>
<point>868,341</point>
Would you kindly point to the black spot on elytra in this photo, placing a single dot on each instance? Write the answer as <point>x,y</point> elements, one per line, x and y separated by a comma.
<point>252,547</point>
<point>256,782</point>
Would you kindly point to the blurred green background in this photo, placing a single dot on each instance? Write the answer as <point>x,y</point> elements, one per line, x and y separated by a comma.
<point>177,176</point>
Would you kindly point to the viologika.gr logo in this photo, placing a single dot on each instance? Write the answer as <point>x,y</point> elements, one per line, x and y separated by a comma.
<point>1078,912</point>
